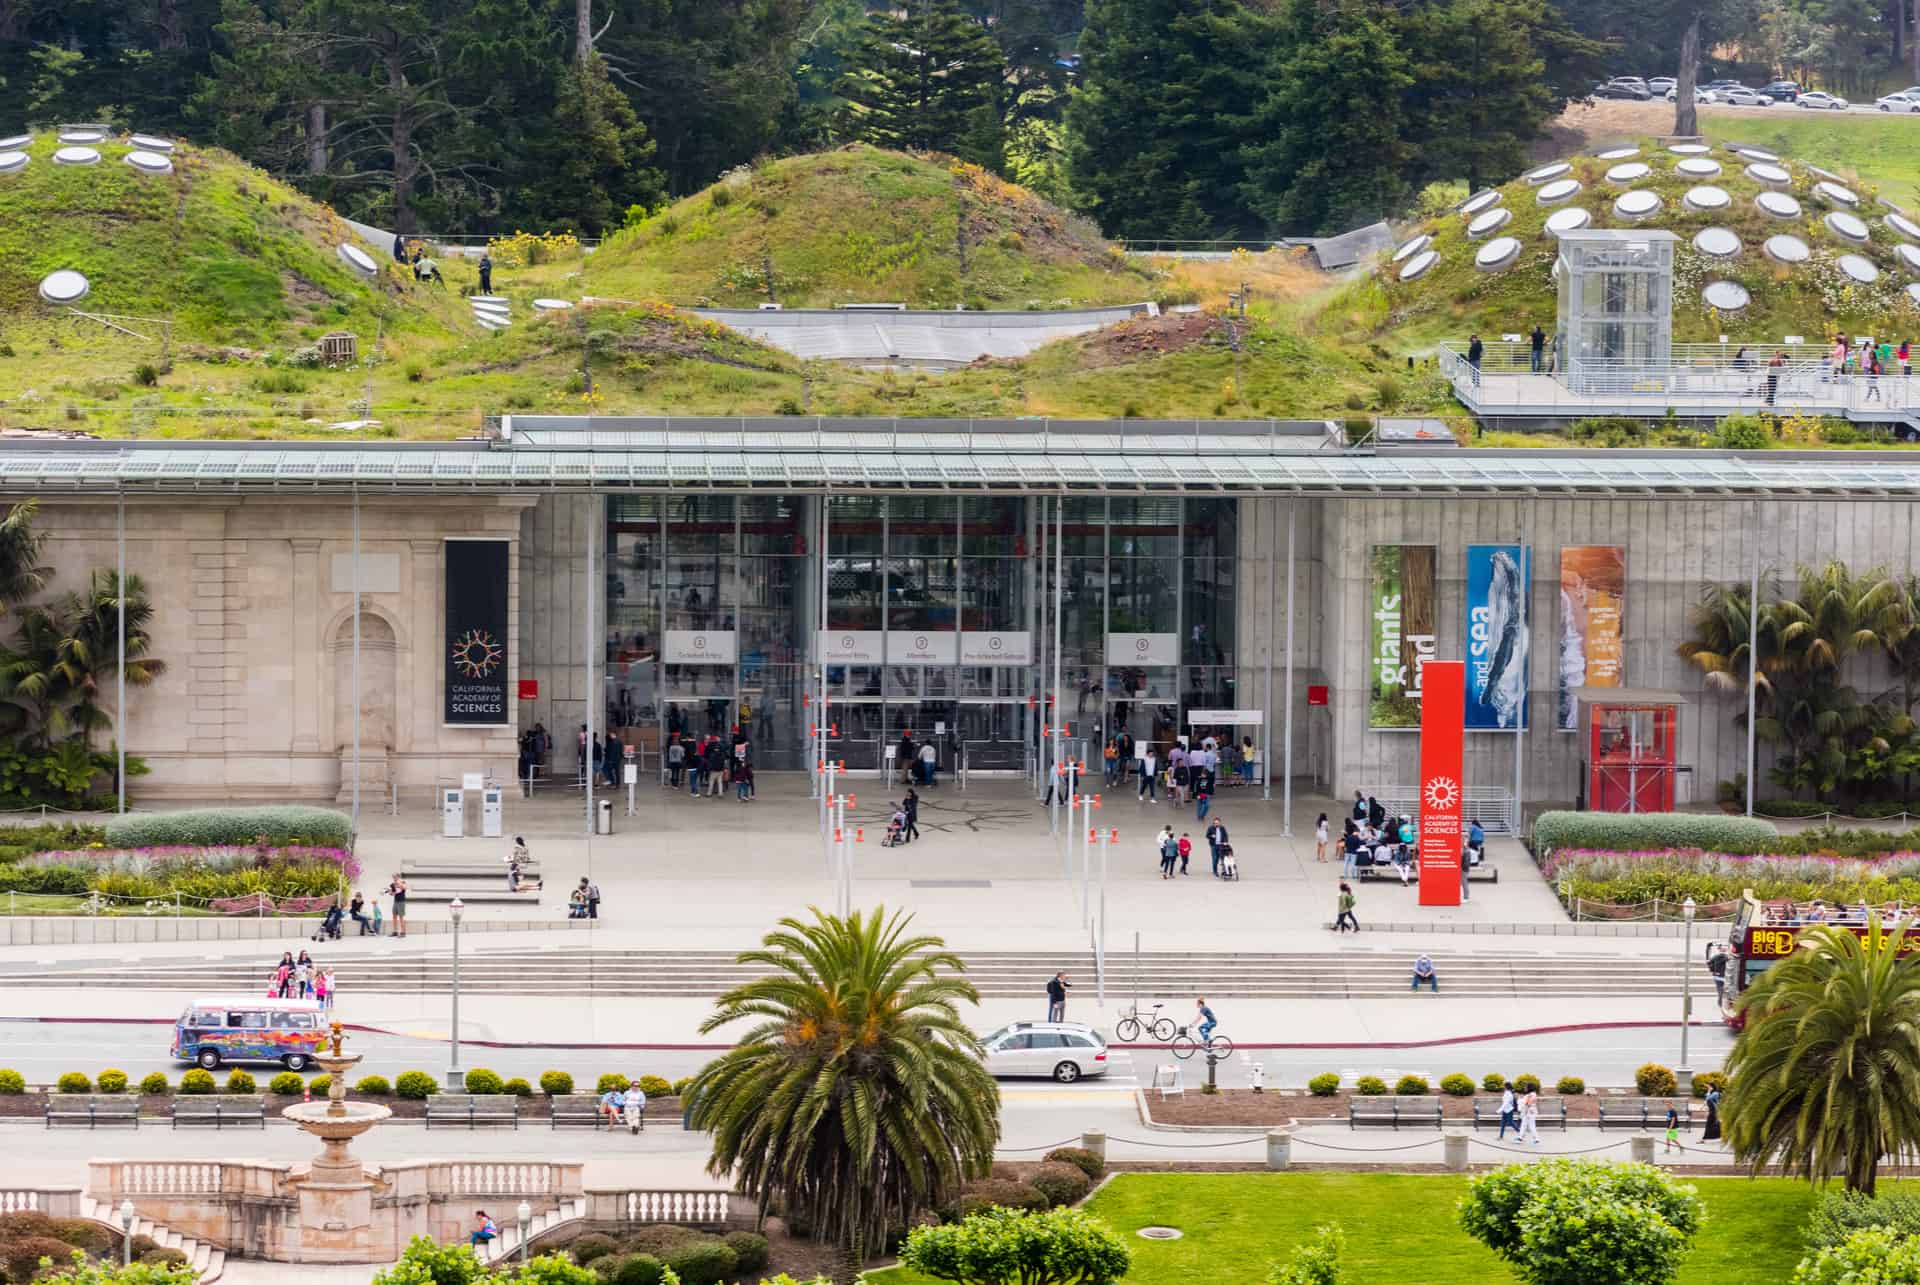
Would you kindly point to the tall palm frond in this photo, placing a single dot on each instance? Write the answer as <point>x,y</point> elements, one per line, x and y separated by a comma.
<point>22,573</point>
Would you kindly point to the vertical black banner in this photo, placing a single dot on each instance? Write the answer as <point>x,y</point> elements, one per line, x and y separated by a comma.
<point>476,641</point>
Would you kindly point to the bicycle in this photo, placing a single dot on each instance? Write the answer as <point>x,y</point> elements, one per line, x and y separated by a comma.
<point>1131,1025</point>
<point>1185,1046</point>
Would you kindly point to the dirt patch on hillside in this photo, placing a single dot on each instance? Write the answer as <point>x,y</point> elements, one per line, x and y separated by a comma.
<point>1139,338</point>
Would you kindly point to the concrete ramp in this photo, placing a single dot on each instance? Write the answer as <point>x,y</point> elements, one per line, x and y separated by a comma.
<point>919,338</point>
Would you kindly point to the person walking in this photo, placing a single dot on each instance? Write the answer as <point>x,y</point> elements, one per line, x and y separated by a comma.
<point>1530,1117</point>
<point>1775,365</point>
<point>1710,1132</point>
<point>1673,1130</point>
<point>324,989</point>
<point>399,248</point>
<point>1110,757</point>
<point>1186,851</point>
<point>743,781</point>
<point>397,890</point>
<point>1509,1112</point>
<point>1717,969</point>
<point>1057,988</point>
<point>1169,852</point>
<point>486,273</point>
<point>1216,835</point>
<point>693,772</point>
<point>1150,776</point>
<point>1475,350</point>
<point>1203,797</point>
<point>676,763</point>
<point>1350,851</point>
<point>1359,806</point>
<point>1906,358</point>
<point>929,764</point>
<point>1320,838</point>
<point>716,768</point>
<point>1345,920</point>
<point>910,807</point>
<point>1539,347</point>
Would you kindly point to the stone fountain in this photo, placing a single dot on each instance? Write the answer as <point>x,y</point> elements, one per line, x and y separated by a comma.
<point>336,1195</point>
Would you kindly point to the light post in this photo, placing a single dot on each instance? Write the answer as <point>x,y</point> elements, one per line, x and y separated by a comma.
<point>126,1232</point>
<point>1687,909</point>
<point>525,1216</point>
<point>456,1078</point>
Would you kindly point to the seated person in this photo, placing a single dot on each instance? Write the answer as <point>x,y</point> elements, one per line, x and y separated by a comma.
<point>897,825</point>
<point>1476,843</point>
<point>517,882</point>
<point>1403,862</point>
<point>1423,972</point>
<point>577,904</point>
<point>484,1229</point>
<point>611,1106</point>
<point>1817,913</point>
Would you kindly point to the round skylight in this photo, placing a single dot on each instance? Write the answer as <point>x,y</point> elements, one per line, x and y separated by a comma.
<point>1726,296</point>
<point>1778,204</point>
<point>1787,249</point>
<point>1770,174</point>
<point>1546,173</point>
<point>76,156</point>
<point>1637,205</point>
<point>150,162</point>
<point>561,305</point>
<point>1497,253</point>
<point>1835,194</point>
<point>357,259</point>
<point>153,142</point>
<point>1903,225</point>
<point>1908,257</point>
<point>1618,153</point>
<point>1418,264</point>
<point>1410,248</point>
<point>1489,222</point>
<point>1689,149</point>
<point>12,162</point>
<point>64,286</point>
<point>1705,197</point>
<point>82,134</point>
<point>1859,268</point>
<point>1561,189</point>
<point>1717,243</point>
<point>1630,172</point>
<point>1568,220</point>
<point>13,142</point>
<point>1697,167</point>
<point>1482,201</point>
<point>1847,227</point>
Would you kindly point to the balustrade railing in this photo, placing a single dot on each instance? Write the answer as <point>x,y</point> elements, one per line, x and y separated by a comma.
<point>56,1202</point>
<point>689,1208</point>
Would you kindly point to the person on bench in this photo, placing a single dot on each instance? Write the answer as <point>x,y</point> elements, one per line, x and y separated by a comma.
<point>613,1105</point>
<point>1423,972</point>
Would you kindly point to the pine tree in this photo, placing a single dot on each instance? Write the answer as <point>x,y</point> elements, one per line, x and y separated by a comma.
<point>597,155</point>
<point>928,78</point>
<point>1479,97</point>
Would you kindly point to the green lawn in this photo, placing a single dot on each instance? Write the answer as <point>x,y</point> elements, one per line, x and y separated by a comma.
<point>1400,1229</point>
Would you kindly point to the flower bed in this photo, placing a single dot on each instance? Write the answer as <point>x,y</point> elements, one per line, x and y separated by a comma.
<point>191,873</point>
<point>1715,880</point>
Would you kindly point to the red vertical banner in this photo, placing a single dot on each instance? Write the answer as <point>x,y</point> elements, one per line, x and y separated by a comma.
<point>1442,717</point>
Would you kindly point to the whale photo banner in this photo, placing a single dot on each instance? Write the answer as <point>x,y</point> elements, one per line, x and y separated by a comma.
<point>1497,637</point>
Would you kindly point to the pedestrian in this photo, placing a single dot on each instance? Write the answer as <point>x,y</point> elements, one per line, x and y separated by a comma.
<point>1717,969</point>
<point>1248,755</point>
<point>1376,813</point>
<point>907,755</point>
<point>1673,1129</point>
<point>1906,358</point>
<point>357,911</point>
<point>593,899</point>
<point>1345,920</point>
<point>1320,838</point>
<point>282,978</point>
<point>1475,350</point>
<point>1169,852</point>
<point>1710,1132</point>
<point>399,248</point>
<point>486,273</point>
<point>1423,972</point>
<point>743,781</point>
<point>1149,776</point>
<point>614,757</point>
<point>1509,1112</point>
<point>676,762</point>
<point>1186,851</point>
<point>1873,377</point>
<point>1539,347</point>
<point>716,768</point>
<point>397,889</point>
<point>1359,806</point>
<point>693,772</point>
<point>911,807</point>
<point>1530,1116</point>
<point>1202,800</point>
<point>326,989</point>
<point>1110,757</point>
<point>377,920</point>
<point>1216,839</point>
<point>1775,365</point>
<point>303,975</point>
<point>1350,851</point>
<point>1057,988</point>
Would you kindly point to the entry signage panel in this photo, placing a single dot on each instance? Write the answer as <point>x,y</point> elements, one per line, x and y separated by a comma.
<point>474,650</point>
<point>700,646</point>
<point>1225,718</point>
<point>1499,577</point>
<point>851,646</point>
<point>923,647</point>
<point>1143,649</point>
<point>1442,734</point>
<point>1008,647</point>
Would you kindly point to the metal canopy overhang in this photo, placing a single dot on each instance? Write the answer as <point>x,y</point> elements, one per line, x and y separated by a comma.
<point>1090,464</point>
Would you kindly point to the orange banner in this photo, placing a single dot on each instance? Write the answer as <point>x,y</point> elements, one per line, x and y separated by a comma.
<point>1442,724</point>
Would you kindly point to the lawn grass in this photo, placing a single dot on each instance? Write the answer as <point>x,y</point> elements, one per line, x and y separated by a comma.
<point>1400,1229</point>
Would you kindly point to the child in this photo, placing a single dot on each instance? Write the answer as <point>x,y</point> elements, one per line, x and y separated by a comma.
<point>1186,850</point>
<point>1673,1130</point>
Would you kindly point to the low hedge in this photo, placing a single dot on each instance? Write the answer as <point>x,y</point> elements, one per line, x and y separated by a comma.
<point>518,1087</point>
<point>1639,832</point>
<point>1457,1085</point>
<point>1087,1162</point>
<point>1371,1086</point>
<point>1656,1081</point>
<point>1061,1183</point>
<point>1709,1080</point>
<point>12,1082</point>
<point>481,1080</point>
<point>1412,1086</point>
<point>1571,1086</point>
<point>1324,1085</point>
<point>111,1080</point>
<point>555,1083</point>
<point>277,824</point>
<point>373,1086</point>
<point>1526,1082</point>
<point>74,1082</point>
<point>241,1082</point>
<point>417,1085</point>
<point>287,1084</point>
<point>153,1084</point>
<point>197,1081</point>
<point>1493,1082</point>
<point>750,1250</point>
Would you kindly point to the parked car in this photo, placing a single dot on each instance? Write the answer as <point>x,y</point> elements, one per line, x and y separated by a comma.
<point>1741,96</point>
<point>1900,102</point>
<point>1815,100</point>
<point>1782,91</point>
<point>1628,89</point>
<point>1699,96</point>
<point>1662,85</point>
<point>1066,1051</point>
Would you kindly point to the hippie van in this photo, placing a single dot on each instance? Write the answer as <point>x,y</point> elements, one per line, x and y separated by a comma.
<point>215,1030</point>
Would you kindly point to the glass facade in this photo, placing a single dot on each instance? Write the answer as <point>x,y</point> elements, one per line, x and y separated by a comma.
<point>920,588</point>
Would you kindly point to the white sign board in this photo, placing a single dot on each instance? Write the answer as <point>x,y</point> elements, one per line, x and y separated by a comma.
<point>1005,647</point>
<point>851,646</point>
<point>473,780</point>
<point>1224,718</point>
<point>631,774</point>
<point>923,647</point>
<point>1143,649</point>
<point>700,647</point>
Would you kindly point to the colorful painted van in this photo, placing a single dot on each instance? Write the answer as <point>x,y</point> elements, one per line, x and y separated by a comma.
<point>215,1030</point>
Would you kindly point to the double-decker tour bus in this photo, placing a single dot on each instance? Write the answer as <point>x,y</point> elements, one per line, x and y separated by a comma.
<point>1765,932</point>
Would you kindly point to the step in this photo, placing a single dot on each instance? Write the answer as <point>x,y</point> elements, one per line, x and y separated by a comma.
<point>216,1266</point>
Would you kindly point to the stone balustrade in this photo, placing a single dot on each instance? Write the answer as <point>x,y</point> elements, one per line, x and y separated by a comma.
<point>57,1202</point>
<point>631,1206</point>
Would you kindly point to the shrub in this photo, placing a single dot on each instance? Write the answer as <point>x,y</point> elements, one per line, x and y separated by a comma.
<point>681,1085</point>
<point>518,1087</point>
<point>74,1082</point>
<point>76,1233</point>
<point>639,1269</point>
<point>1594,1222</point>
<point>287,1084</point>
<point>995,1245</point>
<point>373,1086</point>
<point>555,1083</point>
<point>196,1081</point>
<point>1315,1262</point>
<point>749,1250</point>
<point>416,1085</point>
<point>1061,1184</point>
<point>12,1082</point>
<point>661,1239</point>
<point>1655,1081</point>
<point>240,1082</point>
<point>591,1246</point>
<point>989,1193</point>
<point>611,1082</point>
<point>1571,1086</point>
<point>111,1080</point>
<point>1638,832</point>
<point>1412,1086</point>
<point>162,1257</point>
<point>22,1257</point>
<point>1709,1080</point>
<point>319,1085</point>
<point>654,1086</point>
<point>606,1268</point>
<point>1742,433</point>
<point>154,1084</point>
<point>1324,1085</point>
<point>1526,1082</point>
<point>1493,1082</point>
<point>1370,1085</point>
<point>702,1262</point>
<point>1839,1214</point>
<point>481,1080</point>
<point>279,824</point>
<point>1880,1255</point>
<point>1457,1085</point>
<point>1087,1162</point>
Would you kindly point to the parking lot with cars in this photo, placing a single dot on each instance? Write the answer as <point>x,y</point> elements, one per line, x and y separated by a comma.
<point>1777,94</point>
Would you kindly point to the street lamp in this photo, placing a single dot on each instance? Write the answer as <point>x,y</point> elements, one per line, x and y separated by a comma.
<point>456,1078</point>
<point>126,1229</point>
<point>525,1215</point>
<point>1687,909</point>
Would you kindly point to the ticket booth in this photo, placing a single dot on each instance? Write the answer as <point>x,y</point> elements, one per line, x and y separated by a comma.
<point>1631,740</point>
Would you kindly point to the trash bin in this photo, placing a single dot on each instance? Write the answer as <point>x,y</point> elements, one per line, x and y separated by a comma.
<point>604,823</point>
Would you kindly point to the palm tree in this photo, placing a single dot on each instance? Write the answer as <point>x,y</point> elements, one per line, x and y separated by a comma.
<point>859,1096</point>
<point>1825,1076</point>
<point>22,574</point>
<point>89,655</point>
<point>31,683</point>
<point>1718,647</point>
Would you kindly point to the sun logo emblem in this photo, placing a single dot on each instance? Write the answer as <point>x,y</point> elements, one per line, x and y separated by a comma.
<point>1442,793</point>
<point>476,654</point>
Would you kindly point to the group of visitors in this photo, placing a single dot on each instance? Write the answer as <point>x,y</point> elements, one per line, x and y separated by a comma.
<point>1188,775</point>
<point>368,916</point>
<point>1521,1113</point>
<point>1373,838</point>
<point>1178,851</point>
<point>722,765</point>
<point>298,977</point>
<point>584,901</point>
<point>917,762</point>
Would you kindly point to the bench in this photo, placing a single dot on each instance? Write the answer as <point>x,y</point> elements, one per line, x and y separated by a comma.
<point>1395,1110</point>
<point>1643,1113</point>
<point>575,1108</point>
<point>93,1110</point>
<point>220,1111</point>
<point>473,1109</point>
<point>1551,1112</point>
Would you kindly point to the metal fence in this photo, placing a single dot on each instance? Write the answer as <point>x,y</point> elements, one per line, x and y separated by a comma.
<point>1490,805</point>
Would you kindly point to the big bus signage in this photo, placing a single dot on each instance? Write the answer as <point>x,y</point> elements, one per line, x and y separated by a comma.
<point>1778,942</point>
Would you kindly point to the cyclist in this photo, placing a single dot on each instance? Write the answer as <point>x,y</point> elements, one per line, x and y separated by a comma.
<point>1204,1016</point>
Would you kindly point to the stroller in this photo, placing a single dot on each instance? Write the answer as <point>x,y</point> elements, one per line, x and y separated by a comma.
<point>1229,865</point>
<point>896,831</point>
<point>329,929</point>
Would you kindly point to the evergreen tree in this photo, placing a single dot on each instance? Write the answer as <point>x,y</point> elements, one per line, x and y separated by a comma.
<point>928,78</point>
<point>1331,157</point>
<point>596,158</point>
<point>1479,97</point>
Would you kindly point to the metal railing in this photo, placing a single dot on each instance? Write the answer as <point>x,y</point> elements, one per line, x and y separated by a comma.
<point>1490,805</point>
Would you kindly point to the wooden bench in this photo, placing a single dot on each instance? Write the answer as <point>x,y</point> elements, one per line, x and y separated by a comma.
<point>93,1109</point>
<point>220,1110</point>
<point>1643,1113</point>
<point>1551,1112</point>
<point>575,1108</point>
<point>473,1109</point>
<point>1395,1110</point>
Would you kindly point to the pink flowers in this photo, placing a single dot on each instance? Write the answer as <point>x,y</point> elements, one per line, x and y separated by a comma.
<point>194,857</point>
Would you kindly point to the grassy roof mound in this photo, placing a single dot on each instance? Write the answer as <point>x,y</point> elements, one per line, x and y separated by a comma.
<point>862,225</point>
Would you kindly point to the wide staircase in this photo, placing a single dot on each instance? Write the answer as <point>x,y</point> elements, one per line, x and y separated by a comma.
<point>606,973</point>
<point>208,1263</point>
